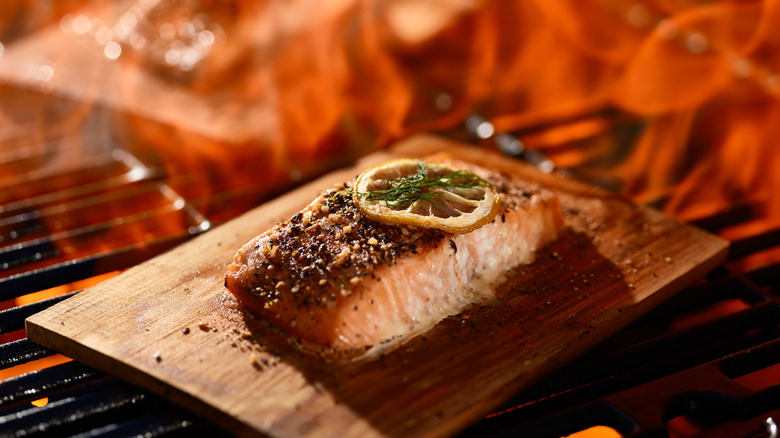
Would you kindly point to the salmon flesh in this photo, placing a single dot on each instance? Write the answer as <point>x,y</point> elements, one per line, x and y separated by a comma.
<point>339,283</point>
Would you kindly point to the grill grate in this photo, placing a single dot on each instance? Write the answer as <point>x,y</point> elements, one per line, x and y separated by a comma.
<point>704,360</point>
<point>13,319</point>
<point>686,359</point>
<point>101,403</point>
<point>21,351</point>
<point>70,210</point>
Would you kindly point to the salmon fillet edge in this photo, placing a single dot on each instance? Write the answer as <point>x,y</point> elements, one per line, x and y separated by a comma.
<point>344,286</point>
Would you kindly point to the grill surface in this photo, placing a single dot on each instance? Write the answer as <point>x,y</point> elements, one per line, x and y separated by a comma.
<point>78,204</point>
<point>704,362</point>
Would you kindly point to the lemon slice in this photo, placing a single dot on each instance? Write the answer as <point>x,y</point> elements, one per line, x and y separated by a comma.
<point>426,194</point>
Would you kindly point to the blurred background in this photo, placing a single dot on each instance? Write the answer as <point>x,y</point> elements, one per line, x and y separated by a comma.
<point>129,126</point>
<point>669,102</point>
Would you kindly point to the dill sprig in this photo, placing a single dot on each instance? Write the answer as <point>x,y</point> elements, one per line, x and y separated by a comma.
<point>405,190</point>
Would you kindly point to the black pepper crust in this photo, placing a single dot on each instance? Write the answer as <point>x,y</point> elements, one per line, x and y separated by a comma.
<point>329,250</point>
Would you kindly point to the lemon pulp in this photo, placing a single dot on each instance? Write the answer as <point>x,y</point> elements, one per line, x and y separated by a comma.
<point>426,194</point>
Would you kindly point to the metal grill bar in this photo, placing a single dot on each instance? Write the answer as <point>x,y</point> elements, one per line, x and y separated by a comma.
<point>21,351</point>
<point>40,383</point>
<point>65,414</point>
<point>163,424</point>
<point>574,420</point>
<point>13,319</point>
<point>80,269</point>
<point>687,348</point>
<point>92,404</point>
<point>750,245</point>
<point>734,215</point>
<point>750,360</point>
<point>767,276</point>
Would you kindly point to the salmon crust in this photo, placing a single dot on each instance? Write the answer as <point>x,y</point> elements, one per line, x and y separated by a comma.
<point>347,286</point>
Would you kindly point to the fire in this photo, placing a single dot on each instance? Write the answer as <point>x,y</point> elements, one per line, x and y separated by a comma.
<point>701,81</point>
<point>34,297</point>
<point>227,103</point>
<point>222,96</point>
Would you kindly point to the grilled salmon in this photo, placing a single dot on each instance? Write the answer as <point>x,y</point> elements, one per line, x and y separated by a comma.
<point>347,286</point>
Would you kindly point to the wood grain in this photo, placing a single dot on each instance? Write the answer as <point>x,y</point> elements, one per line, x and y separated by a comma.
<point>616,262</point>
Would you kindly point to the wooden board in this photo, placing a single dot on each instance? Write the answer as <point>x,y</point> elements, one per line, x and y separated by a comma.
<point>616,262</point>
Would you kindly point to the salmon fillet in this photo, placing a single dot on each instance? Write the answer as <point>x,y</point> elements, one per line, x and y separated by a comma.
<point>347,286</point>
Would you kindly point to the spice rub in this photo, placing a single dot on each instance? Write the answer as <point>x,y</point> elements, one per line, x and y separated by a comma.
<point>347,285</point>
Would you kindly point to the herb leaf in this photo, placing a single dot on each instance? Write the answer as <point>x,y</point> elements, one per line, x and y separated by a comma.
<point>405,190</point>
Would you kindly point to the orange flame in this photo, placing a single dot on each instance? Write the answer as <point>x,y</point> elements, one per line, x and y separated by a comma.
<point>265,94</point>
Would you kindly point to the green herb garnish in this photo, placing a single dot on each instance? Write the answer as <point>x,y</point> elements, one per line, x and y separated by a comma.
<point>405,190</point>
